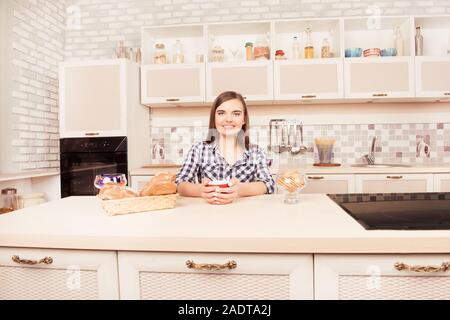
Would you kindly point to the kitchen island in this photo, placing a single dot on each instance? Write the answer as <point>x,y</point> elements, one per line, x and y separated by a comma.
<point>254,248</point>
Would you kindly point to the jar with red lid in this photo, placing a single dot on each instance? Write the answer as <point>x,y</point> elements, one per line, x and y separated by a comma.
<point>279,55</point>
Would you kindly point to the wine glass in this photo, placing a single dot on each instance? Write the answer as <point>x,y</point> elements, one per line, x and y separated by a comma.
<point>235,52</point>
<point>110,178</point>
<point>292,181</point>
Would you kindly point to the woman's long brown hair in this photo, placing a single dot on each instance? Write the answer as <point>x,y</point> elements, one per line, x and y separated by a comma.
<point>212,131</point>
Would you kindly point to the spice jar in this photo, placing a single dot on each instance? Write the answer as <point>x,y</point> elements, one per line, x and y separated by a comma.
<point>9,200</point>
<point>159,56</point>
<point>217,54</point>
<point>249,51</point>
<point>279,55</point>
<point>261,50</point>
<point>325,51</point>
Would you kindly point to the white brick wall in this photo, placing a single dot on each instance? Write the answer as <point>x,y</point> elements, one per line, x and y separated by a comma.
<point>103,22</point>
<point>38,33</point>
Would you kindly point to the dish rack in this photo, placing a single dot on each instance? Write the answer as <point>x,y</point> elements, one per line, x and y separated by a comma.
<point>139,204</point>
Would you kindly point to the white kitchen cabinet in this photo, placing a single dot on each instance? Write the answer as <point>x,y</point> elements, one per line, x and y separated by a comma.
<point>254,276</point>
<point>329,183</point>
<point>393,182</point>
<point>375,277</point>
<point>379,77</point>
<point>101,98</point>
<point>442,182</point>
<point>58,274</point>
<point>173,84</point>
<point>432,77</point>
<point>252,79</point>
<point>309,79</point>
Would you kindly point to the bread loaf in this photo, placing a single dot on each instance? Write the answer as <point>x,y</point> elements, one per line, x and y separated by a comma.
<point>114,191</point>
<point>163,183</point>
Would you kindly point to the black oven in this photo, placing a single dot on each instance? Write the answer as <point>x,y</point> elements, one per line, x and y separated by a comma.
<point>84,158</point>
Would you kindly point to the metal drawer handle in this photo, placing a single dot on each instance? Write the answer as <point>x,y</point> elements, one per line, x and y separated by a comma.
<point>446,93</point>
<point>394,177</point>
<point>315,178</point>
<point>46,260</point>
<point>379,95</point>
<point>445,266</point>
<point>173,100</point>
<point>309,97</point>
<point>208,266</point>
<point>92,133</point>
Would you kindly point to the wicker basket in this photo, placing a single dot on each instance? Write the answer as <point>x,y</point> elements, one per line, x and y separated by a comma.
<point>139,204</point>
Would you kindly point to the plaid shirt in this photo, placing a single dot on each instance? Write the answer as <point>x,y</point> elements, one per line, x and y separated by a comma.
<point>205,161</point>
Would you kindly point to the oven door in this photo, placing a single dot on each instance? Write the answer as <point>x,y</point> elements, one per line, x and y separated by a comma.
<point>78,170</point>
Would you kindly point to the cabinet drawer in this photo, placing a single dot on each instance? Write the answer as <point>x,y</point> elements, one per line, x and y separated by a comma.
<point>386,183</point>
<point>65,274</point>
<point>375,277</point>
<point>320,183</point>
<point>255,276</point>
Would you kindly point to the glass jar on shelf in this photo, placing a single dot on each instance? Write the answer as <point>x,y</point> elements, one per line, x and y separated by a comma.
<point>261,50</point>
<point>248,51</point>
<point>296,48</point>
<point>279,55</point>
<point>217,54</point>
<point>178,56</point>
<point>159,55</point>
<point>325,51</point>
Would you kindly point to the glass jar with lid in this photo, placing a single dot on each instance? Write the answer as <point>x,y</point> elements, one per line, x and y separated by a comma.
<point>261,50</point>
<point>9,200</point>
<point>159,54</point>
<point>217,54</point>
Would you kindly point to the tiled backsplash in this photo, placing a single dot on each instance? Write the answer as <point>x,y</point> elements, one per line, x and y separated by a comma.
<point>397,143</point>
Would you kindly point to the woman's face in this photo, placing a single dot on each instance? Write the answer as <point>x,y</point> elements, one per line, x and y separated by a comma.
<point>230,117</point>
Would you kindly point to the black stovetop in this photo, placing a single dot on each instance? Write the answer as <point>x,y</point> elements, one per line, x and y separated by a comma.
<point>398,211</point>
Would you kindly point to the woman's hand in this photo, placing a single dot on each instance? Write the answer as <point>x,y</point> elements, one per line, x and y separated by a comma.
<point>226,195</point>
<point>207,192</point>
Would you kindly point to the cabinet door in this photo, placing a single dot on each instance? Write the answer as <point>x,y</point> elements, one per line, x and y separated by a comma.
<point>173,84</point>
<point>432,77</point>
<point>254,80</point>
<point>442,182</point>
<point>379,77</point>
<point>255,276</point>
<point>309,79</point>
<point>329,183</point>
<point>375,277</point>
<point>69,274</point>
<point>93,98</point>
<point>393,182</point>
<point>137,182</point>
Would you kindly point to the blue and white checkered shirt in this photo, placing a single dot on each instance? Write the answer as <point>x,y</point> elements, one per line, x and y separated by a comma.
<point>205,161</point>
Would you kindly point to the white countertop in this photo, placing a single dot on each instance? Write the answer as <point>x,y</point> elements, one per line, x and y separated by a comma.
<point>28,174</point>
<point>257,224</point>
<point>310,169</point>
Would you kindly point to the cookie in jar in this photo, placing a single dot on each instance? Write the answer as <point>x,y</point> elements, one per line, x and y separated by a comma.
<point>159,55</point>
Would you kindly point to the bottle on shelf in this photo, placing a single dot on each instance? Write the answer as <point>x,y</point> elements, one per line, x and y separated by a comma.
<point>178,56</point>
<point>248,51</point>
<point>419,42</point>
<point>398,41</point>
<point>296,48</point>
<point>138,55</point>
<point>120,50</point>
<point>309,49</point>
<point>325,51</point>
<point>448,47</point>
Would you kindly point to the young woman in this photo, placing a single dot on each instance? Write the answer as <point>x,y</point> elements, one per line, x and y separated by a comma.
<point>225,155</point>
